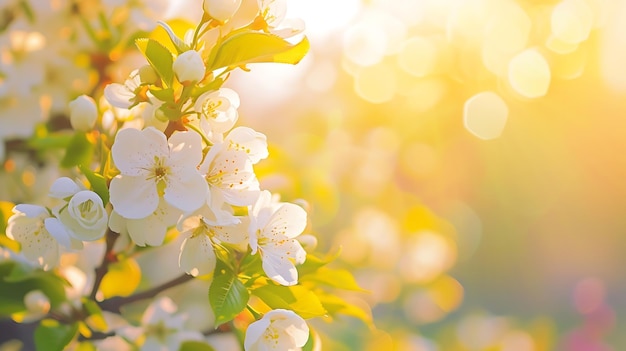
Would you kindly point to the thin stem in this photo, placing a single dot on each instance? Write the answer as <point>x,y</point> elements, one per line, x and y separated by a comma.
<point>197,130</point>
<point>115,303</point>
<point>109,257</point>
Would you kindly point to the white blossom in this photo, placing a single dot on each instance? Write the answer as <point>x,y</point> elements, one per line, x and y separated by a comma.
<point>152,167</point>
<point>221,10</point>
<point>228,169</point>
<point>279,329</point>
<point>123,95</point>
<point>272,231</point>
<point>217,112</point>
<point>189,67</point>
<point>83,113</point>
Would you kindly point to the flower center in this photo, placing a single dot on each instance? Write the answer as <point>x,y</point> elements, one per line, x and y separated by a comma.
<point>209,108</point>
<point>87,209</point>
<point>271,337</point>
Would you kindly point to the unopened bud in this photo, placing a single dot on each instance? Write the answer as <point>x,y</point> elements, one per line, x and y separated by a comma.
<point>147,75</point>
<point>189,67</point>
<point>221,10</point>
<point>83,113</point>
<point>37,302</point>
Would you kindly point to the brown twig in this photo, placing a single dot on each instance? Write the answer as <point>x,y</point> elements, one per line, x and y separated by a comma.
<point>109,257</point>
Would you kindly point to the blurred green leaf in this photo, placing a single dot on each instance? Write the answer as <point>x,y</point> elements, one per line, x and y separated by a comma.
<point>6,211</point>
<point>336,305</point>
<point>255,47</point>
<point>80,150</point>
<point>159,57</point>
<point>195,346</point>
<point>57,140</point>
<point>227,295</point>
<point>166,95</point>
<point>338,278</point>
<point>98,183</point>
<point>296,298</point>
<point>95,320</point>
<point>52,336</point>
<point>313,263</point>
<point>16,280</point>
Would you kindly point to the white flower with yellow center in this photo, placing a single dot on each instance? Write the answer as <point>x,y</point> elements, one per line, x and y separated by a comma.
<point>153,167</point>
<point>228,167</point>
<point>217,112</point>
<point>197,254</point>
<point>278,330</point>
<point>273,229</point>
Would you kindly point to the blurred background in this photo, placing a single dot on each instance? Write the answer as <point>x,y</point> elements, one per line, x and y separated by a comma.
<point>466,155</point>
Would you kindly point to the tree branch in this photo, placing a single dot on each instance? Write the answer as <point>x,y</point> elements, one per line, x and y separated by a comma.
<point>115,303</point>
<point>109,257</point>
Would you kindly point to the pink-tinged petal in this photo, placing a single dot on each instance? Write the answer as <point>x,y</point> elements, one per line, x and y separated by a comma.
<point>197,256</point>
<point>187,195</point>
<point>133,197</point>
<point>245,139</point>
<point>134,151</point>
<point>185,149</point>
<point>63,188</point>
<point>279,269</point>
<point>255,331</point>
<point>289,220</point>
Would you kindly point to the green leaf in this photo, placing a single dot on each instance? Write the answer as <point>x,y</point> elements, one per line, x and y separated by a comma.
<point>16,280</point>
<point>336,305</point>
<point>338,278</point>
<point>227,295</point>
<point>80,150</point>
<point>95,320</point>
<point>51,141</point>
<point>313,263</point>
<point>52,336</point>
<point>165,95</point>
<point>159,57</point>
<point>98,183</point>
<point>296,298</point>
<point>178,43</point>
<point>195,346</point>
<point>255,47</point>
<point>6,211</point>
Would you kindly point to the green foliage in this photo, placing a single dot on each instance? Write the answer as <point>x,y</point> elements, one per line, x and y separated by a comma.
<point>297,298</point>
<point>52,336</point>
<point>195,346</point>
<point>337,278</point>
<point>176,41</point>
<point>58,140</point>
<point>227,295</point>
<point>313,263</point>
<point>16,280</point>
<point>335,305</point>
<point>95,319</point>
<point>98,183</point>
<point>254,47</point>
<point>78,151</point>
<point>159,57</point>
<point>5,212</point>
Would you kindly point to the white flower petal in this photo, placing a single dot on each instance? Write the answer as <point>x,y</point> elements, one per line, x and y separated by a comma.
<point>186,194</point>
<point>289,220</point>
<point>146,231</point>
<point>63,188</point>
<point>253,143</point>
<point>134,151</point>
<point>185,149</point>
<point>118,95</point>
<point>133,197</point>
<point>197,256</point>
<point>58,231</point>
<point>279,269</point>
<point>255,331</point>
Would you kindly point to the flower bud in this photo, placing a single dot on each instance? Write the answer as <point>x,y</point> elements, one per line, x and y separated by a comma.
<point>221,10</point>
<point>85,217</point>
<point>147,75</point>
<point>83,113</point>
<point>37,302</point>
<point>189,67</point>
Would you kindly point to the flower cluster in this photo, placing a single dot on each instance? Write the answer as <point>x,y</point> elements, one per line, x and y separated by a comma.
<point>159,161</point>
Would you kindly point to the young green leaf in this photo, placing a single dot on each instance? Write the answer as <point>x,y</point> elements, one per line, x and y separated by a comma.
<point>52,336</point>
<point>336,305</point>
<point>227,295</point>
<point>195,346</point>
<point>178,43</point>
<point>159,57</point>
<point>98,183</point>
<point>80,150</point>
<point>296,298</point>
<point>255,47</point>
<point>338,278</point>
